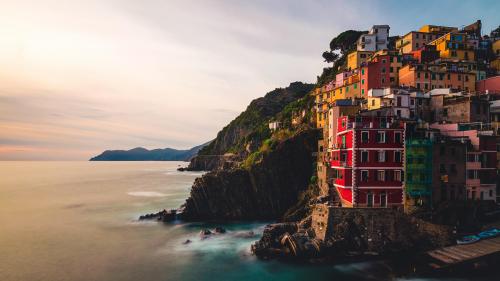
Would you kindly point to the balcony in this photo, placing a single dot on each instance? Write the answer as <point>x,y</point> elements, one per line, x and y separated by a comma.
<point>473,165</point>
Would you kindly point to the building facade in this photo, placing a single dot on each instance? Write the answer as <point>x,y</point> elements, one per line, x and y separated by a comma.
<point>368,161</point>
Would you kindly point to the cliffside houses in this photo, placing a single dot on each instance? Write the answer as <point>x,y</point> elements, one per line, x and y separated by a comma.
<point>413,123</point>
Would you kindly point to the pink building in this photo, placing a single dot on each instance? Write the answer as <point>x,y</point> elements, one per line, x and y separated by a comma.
<point>492,85</point>
<point>481,179</point>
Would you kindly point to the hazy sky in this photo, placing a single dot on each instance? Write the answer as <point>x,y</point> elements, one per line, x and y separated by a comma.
<point>79,77</point>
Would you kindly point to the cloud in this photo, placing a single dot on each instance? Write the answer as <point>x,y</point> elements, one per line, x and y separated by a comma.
<point>78,77</point>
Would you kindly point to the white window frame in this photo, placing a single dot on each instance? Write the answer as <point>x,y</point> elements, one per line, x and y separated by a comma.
<point>397,175</point>
<point>400,156</point>
<point>367,139</point>
<point>378,175</point>
<point>367,156</point>
<point>367,175</point>
<point>382,138</point>
<point>379,154</point>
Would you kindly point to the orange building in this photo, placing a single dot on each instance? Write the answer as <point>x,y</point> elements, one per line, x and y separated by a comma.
<point>454,46</point>
<point>415,40</point>
<point>433,76</point>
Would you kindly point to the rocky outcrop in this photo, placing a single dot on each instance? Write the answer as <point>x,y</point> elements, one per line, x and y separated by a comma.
<point>264,191</point>
<point>213,162</point>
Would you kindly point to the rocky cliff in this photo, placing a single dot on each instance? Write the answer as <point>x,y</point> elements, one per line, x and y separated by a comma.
<point>247,131</point>
<point>265,190</point>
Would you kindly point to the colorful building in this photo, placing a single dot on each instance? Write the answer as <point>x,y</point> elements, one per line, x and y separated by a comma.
<point>376,39</point>
<point>434,76</point>
<point>368,161</point>
<point>414,40</point>
<point>418,170</point>
<point>356,58</point>
<point>454,46</point>
<point>380,71</point>
<point>481,163</point>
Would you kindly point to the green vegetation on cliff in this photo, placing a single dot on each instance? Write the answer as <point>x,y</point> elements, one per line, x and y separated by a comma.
<point>250,128</point>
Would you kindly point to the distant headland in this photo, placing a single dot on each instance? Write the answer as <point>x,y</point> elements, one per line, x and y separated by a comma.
<point>143,154</point>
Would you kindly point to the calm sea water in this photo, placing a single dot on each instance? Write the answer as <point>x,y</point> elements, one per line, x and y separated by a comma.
<point>77,221</point>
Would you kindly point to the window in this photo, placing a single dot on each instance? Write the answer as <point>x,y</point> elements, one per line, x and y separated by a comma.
<point>397,137</point>
<point>362,91</point>
<point>364,137</point>
<point>383,70</point>
<point>397,175</point>
<point>397,156</point>
<point>441,150</point>
<point>381,156</point>
<point>364,156</point>
<point>362,71</point>
<point>381,175</point>
<point>391,69</point>
<point>384,61</point>
<point>442,169</point>
<point>355,85</point>
<point>381,137</point>
<point>472,174</point>
<point>362,81</point>
<point>418,75</point>
<point>364,175</point>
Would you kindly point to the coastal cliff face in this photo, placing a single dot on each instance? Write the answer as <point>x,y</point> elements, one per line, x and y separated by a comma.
<point>247,131</point>
<point>265,190</point>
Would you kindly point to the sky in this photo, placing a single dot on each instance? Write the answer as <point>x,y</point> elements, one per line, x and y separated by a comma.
<point>81,76</point>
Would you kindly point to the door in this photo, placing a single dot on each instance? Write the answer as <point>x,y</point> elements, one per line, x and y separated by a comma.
<point>383,200</point>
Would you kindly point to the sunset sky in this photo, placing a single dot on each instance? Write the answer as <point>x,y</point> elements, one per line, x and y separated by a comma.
<point>79,77</point>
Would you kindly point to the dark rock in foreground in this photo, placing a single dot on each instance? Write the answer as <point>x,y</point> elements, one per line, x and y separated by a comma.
<point>264,191</point>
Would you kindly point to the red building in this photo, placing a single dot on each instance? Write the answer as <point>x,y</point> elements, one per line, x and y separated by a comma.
<point>380,72</point>
<point>368,161</point>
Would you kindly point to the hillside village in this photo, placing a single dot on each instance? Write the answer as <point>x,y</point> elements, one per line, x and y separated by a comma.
<point>407,158</point>
<point>412,125</point>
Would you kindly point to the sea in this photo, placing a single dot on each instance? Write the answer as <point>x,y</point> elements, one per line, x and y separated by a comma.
<point>78,221</point>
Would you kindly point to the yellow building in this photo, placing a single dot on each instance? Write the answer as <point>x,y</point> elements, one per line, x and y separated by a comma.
<point>437,29</point>
<point>415,40</point>
<point>321,107</point>
<point>356,58</point>
<point>496,50</point>
<point>454,46</point>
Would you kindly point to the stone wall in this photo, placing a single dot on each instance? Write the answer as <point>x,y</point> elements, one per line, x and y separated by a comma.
<point>376,229</point>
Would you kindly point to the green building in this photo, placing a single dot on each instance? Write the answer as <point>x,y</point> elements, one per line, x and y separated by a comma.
<point>418,170</point>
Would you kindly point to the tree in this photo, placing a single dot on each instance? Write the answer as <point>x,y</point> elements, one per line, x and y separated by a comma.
<point>330,56</point>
